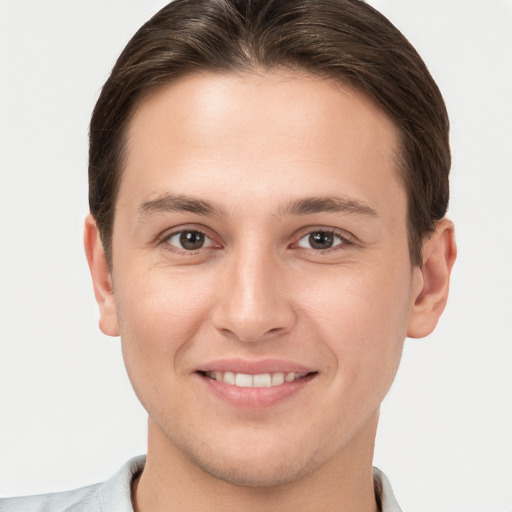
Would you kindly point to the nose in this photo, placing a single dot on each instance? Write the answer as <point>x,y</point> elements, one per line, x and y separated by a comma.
<point>254,302</point>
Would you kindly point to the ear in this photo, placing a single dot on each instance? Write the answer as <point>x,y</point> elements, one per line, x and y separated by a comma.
<point>101,278</point>
<point>432,280</point>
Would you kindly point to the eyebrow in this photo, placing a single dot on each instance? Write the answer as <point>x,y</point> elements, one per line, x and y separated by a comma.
<point>313,205</point>
<point>179,203</point>
<point>306,206</point>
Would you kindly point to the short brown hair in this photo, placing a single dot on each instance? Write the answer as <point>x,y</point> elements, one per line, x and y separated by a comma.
<point>346,40</point>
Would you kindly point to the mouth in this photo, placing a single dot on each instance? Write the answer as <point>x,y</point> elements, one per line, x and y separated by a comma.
<point>255,384</point>
<point>260,380</point>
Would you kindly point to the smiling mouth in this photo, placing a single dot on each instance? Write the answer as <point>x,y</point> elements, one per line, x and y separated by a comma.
<point>262,380</point>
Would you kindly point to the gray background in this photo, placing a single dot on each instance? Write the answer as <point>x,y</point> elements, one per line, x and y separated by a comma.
<point>68,415</point>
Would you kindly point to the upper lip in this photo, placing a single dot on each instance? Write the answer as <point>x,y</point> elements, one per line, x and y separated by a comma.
<point>254,367</point>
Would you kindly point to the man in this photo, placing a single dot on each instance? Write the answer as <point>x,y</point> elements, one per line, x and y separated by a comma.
<point>268,184</point>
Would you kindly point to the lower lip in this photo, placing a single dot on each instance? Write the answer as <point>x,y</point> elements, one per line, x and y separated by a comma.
<point>255,398</point>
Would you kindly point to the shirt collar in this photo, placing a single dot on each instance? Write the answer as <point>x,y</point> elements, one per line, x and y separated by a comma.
<point>384,493</point>
<point>116,492</point>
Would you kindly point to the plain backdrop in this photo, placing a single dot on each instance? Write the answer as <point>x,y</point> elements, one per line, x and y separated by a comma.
<point>68,416</point>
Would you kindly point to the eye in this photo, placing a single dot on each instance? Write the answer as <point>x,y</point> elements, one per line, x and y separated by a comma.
<point>321,240</point>
<point>189,240</point>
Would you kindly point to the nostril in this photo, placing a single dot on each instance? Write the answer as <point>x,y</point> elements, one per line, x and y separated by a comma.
<point>275,330</point>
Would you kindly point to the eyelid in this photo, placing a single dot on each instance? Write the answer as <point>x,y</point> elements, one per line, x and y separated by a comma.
<point>167,234</point>
<point>346,237</point>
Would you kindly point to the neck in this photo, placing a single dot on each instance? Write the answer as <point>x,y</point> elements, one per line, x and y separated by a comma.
<point>172,482</point>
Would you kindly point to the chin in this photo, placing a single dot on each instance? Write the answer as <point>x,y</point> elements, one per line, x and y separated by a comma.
<point>252,471</point>
<point>248,457</point>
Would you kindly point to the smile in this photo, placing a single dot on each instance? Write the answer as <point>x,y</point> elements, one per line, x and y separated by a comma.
<point>263,380</point>
<point>255,385</point>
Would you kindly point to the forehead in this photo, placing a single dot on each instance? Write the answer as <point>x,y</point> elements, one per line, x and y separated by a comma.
<point>243,130</point>
<point>240,104</point>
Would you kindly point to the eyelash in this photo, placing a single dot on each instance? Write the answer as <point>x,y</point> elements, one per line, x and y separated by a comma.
<point>345,239</point>
<point>174,248</point>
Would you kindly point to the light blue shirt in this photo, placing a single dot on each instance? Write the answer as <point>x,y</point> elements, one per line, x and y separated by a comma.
<point>114,495</point>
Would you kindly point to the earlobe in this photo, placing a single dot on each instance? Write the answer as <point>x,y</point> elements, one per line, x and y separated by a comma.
<point>101,278</point>
<point>432,280</point>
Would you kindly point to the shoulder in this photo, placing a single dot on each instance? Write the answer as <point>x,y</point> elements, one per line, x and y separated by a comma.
<point>54,502</point>
<point>384,493</point>
<point>112,495</point>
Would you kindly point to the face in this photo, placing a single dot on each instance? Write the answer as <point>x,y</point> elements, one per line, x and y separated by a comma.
<point>261,272</point>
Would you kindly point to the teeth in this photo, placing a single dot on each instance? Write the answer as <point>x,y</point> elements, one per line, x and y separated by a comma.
<point>228,377</point>
<point>277,379</point>
<point>244,381</point>
<point>289,377</point>
<point>264,380</point>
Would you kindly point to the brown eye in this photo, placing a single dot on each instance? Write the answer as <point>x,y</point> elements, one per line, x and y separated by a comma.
<point>189,240</point>
<point>321,240</point>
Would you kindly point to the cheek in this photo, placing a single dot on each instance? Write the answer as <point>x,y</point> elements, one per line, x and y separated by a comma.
<point>159,316</point>
<point>159,313</point>
<point>362,317</point>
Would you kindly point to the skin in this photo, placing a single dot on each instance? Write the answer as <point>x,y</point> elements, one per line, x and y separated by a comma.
<point>252,145</point>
